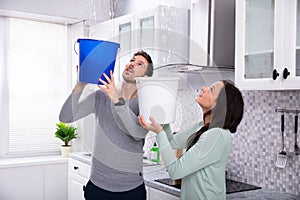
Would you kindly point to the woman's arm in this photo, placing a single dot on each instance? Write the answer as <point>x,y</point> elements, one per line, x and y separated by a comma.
<point>205,152</point>
<point>179,140</point>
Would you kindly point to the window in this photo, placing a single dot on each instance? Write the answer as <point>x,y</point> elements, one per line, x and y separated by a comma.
<point>34,86</point>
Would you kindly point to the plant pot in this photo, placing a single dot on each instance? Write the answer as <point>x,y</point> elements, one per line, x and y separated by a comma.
<point>65,150</point>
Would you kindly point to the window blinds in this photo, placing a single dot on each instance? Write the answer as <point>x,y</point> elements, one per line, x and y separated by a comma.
<point>37,85</point>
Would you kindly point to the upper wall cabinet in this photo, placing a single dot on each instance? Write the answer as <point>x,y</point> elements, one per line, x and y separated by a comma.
<point>267,53</point>
<point>163,32</point>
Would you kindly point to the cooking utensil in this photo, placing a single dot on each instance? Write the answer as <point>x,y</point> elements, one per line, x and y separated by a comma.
<point>296,148</point>
<point>281,157</point>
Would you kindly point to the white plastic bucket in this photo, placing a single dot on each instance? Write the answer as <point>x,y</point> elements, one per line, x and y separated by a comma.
<point>158,98</point>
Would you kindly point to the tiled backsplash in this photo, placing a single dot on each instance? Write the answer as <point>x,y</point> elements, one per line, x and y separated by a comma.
<point>257,141</point>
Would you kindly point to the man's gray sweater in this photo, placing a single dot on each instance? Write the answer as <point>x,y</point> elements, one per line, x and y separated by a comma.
<point>119,139</point>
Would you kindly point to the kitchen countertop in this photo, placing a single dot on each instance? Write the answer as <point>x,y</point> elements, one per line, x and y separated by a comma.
<point>153,172</point>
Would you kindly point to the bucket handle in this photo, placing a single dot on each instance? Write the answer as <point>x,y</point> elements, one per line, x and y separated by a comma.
<point>75,48</point>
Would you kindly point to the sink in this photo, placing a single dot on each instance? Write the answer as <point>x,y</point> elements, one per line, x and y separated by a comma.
<point>231,185</point>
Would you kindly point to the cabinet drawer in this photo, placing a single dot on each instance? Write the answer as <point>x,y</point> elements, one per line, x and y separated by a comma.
<point>79,168</point>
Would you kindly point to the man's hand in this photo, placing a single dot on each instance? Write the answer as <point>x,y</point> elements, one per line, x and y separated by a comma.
<point>109,87</point>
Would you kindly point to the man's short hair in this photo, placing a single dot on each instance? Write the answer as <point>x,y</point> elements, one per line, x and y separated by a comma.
<point>149,71</point>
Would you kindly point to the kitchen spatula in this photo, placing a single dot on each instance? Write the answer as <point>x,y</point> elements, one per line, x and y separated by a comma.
<point>281,157</point>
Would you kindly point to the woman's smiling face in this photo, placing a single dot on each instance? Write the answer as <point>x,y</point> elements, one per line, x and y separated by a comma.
<point>208,96</point>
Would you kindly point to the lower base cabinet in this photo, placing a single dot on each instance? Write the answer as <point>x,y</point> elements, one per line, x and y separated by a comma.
<point>34,179</point>
<point>155,194</point>
<point>147,190</point>
<point>79,173</point>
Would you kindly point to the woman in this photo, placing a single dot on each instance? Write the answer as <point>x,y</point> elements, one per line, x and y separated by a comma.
<point>208,143</point>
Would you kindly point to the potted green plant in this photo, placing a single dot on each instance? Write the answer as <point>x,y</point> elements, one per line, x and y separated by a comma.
<point>65,133</point>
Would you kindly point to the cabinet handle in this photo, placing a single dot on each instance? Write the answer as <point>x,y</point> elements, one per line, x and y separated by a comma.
<point>75,167</point>
<point>286,73</point>
<point>275,74</point>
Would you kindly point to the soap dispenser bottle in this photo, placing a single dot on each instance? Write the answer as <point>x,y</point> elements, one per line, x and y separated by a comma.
<point>154,155</point>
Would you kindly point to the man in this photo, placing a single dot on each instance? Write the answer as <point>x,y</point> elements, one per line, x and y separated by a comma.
<point>116,169</point>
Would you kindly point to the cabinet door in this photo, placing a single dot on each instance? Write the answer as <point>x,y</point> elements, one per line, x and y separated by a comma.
<point>297,50</point>
<point>145,32</point>
<point>163,33</point>
<point>76,184</point>
<point>55,181</point>
<point>155,194</point>
<point>124,35</point>
<point>292,45</point>
<point>256,38</point>
<point>148,191</point>
<point>267,44</point>
<point>79,174</point>
<point>22,183</point>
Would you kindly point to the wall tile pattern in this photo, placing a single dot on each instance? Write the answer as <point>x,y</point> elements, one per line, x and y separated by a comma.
<point>258,142</point>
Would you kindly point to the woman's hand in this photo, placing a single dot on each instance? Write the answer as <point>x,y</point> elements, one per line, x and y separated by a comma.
<point>154,126</point>
<point>109,87</point>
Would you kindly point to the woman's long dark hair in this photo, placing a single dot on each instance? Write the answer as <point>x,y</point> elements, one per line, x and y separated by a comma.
<point>227,113</point>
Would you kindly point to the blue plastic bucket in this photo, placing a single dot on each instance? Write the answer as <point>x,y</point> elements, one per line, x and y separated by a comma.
<point>95,58</point>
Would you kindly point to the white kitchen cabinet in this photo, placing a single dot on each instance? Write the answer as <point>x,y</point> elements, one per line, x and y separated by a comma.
<point>147,192</point>
<point>124,34</point>
<point>162,32</point>
<point>22,182</point>
<point>79,173</point>
<point>34,178</point>
<point>267,55</point>
<point>155,194</point>
<point>55,181</point>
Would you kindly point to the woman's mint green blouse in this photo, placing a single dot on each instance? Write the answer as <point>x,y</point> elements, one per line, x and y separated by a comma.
<point>202,167</point>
